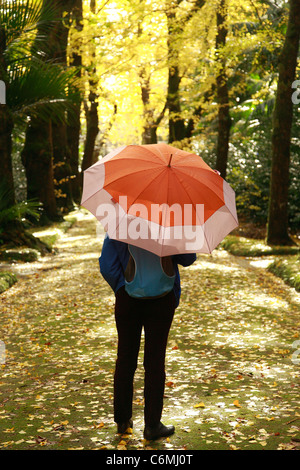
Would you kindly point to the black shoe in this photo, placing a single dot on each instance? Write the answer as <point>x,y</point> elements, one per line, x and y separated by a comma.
<point>122,427</point>
<point>155,432</point>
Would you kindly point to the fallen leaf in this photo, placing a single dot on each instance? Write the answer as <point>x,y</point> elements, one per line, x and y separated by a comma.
<point>170,384</point>
<point>199,405</point>
<point>237,404</point>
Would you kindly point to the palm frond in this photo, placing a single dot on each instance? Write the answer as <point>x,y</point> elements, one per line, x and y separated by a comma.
<point>17,211</point>
<point>41,88</point>
<point>19,17</point>
<point>26,23</point>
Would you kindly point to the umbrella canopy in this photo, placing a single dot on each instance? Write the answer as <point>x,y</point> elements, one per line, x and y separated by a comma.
<point>160,198</point>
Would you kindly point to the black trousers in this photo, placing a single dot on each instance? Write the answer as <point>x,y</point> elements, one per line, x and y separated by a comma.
<point>132,315</point>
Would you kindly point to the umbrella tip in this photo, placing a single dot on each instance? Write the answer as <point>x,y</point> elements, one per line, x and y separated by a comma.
<point>169,164</point>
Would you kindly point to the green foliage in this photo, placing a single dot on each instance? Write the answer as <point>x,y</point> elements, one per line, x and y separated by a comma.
<point>287,269</point>
<point>9,214</point>
<point>34,86</point>
<point>249,165</point>
<point>20,19</point>
<point>241,246</point>
<point>7,280</point>
<point>125,45</point>
<point>41,89</point>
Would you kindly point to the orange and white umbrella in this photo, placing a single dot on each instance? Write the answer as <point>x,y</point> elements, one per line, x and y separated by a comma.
<point>160,198</point>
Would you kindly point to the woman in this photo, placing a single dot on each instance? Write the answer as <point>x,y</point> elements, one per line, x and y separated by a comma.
<point>147,290</point>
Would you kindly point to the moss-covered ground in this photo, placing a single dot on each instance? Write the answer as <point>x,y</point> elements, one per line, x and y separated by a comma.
<point>233,356</point>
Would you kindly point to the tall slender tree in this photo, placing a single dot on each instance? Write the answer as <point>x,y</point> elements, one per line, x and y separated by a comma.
<point>91,108</point>
<point>151,115</point>
<point>74,125</point>
<point>58,43</point>
<point>6,128</point>
<point>176,122</point>
<point>277,232</point>
<point>151,120</point>
<point>177,126</point>
<point>224,120</point>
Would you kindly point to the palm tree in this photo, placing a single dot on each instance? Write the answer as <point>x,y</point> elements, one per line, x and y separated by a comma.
<point>34,87</point>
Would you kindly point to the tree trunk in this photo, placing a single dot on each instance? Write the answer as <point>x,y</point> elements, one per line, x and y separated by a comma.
<point>151,123</point>
<point>6,128</point>
<point>224,120</point>
<point>176,123</point>
<point>147,111</point>
<point>177,126</point>
<point>62,167</point>
<point>92,124</point>
<point>92,119</point>
<point>37,158</point>
<point>57,43</point>
<point>6,173</point>
<point>277,231</point>
<point>73,127</point>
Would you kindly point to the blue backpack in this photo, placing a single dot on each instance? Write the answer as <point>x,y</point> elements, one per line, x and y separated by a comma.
<point>147,275</point>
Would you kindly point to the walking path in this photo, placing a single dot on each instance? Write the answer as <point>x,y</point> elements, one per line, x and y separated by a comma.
<point>232,360</point>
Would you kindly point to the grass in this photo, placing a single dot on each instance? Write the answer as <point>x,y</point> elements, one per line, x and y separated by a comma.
<point>286,259</point>
<point>7,280</point>
<point>242,246</point>
<point>287,269</point>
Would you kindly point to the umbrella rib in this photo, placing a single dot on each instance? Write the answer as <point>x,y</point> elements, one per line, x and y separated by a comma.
<point>152,153</point>
<point>159,151</point>
<point>145,187</point>
<point>162,157</point>
<point>191,165</point>
<point>198,181</point>
<point>113,181</point>
<point>163,225</point>
<point>224,190</point>
<point>193,204</point>
<point>134,202</point>
<point>138,197</point>
<point>122,176</point>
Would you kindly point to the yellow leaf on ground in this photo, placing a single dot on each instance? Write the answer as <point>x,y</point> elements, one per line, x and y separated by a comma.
<point>121,447</point>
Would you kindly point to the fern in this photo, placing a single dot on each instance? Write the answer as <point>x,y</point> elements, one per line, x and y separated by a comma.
<point>18,211</point>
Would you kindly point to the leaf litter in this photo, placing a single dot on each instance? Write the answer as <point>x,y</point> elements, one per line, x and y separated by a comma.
<point>232,358</point>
